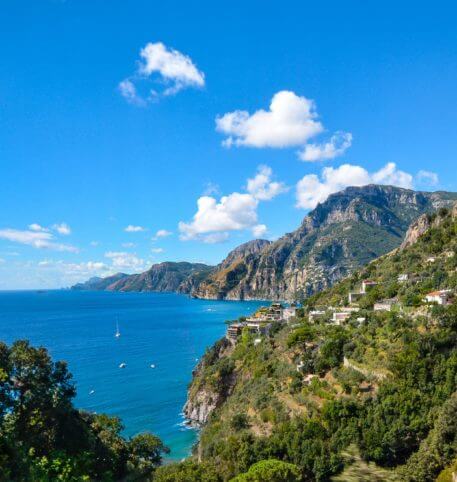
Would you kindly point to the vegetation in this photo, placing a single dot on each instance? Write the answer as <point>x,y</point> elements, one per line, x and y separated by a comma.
<point>368,400</point>
<point>44,438</point>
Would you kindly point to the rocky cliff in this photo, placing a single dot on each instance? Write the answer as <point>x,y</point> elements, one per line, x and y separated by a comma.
<point>209,392</point>
<point>347,231</point>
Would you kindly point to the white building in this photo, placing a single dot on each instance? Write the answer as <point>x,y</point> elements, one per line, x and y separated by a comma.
<point>288,313</point>
<point>312,315</point>
<point>339,317</point>
<point>402,277</point>
<point>440,297</point>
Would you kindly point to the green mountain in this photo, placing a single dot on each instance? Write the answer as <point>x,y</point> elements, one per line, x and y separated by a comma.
<point>372,397</point>
<point>345,232</point>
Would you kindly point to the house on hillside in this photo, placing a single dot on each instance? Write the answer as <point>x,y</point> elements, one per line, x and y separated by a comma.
<point>290,312</point>
<point>340,317</point>
<point>315,314</point>
<point>402,278</point>
<point>440,297</point>
<point>385,305</point>
<point>367,285</point>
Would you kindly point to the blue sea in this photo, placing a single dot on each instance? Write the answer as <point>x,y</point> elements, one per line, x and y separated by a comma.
<point>167,330</point>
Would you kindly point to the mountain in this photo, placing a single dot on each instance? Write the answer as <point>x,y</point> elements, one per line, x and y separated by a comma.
<point>99,284</point>
<point>343,233</point>
<point>373,397</point>
<point>167,276</point>
<point>348,230</point>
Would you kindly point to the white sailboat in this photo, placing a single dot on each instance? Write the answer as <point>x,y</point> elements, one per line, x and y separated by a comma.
<point>118,333</point>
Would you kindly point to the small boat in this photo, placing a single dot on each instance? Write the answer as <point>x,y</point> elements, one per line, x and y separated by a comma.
<point>122,365</point>
<point>118,333</point>
<point>152,365</point>
<point>91,392</point>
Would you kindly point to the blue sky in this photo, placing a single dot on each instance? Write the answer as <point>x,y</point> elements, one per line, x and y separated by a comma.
<point>117,114</point>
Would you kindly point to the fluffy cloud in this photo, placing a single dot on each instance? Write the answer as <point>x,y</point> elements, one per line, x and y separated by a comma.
<point>164,66</point>
<point>161,233</point>
<point>157,250</point>
<point>123,260</point>
<point>261,186</point>
<point>427,178</point>
<point>37,239</point>
<point>290,121</point>
<point>259,230</point>
<point>311,189</point>
<point>233,212</point>
<point>62,228</point>
<point>134,229</point>
<point>37,227</point>
<point>336,146</point>
<point>214,219</point>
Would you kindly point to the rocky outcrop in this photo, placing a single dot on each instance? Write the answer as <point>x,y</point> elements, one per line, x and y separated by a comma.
<point>424,223</point>
<point>348,230</point>
<point>203,396</point>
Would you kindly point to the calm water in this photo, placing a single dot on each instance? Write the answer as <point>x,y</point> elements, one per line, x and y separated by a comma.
<point>168,330</point>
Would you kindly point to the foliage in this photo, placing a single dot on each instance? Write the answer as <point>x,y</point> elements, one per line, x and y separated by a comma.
<point>271,470</point>
<point>44,438</point>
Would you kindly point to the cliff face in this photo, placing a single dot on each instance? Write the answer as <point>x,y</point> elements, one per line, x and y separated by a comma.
<point>348,230</point>
<point>205,393</point>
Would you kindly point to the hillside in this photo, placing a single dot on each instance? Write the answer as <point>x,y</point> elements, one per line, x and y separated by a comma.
<point>369,397</point>
<point>99,284</point>
<point>345,232</point>
<point>167,276</point>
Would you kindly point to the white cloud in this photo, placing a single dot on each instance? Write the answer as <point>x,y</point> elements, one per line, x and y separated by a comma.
<point>164,66</point>
<point>261,186</point>
<point>123,260</point>
<point>37,227</point>
<point>427,178</point>
<point>37,239</point>
<point>336,146</point>
<point>94,243</point>
<point>161,233</point>
<point>290,121</point>
<point>215,219</point>
<point>157,250</point>
<point>259,230</point>
<point>134,229</point>
<point>128,91</point>
<point>233,212</point>
<point>311,189</point>
<point>62,228</point>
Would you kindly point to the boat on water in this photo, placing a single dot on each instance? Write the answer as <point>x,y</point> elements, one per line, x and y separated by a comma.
<point>152,365</point>
<point>118,333</point>
<point>122,365</point>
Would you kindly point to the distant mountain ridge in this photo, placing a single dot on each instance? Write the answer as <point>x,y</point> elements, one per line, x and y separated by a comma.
<point>343,233</point>
<point>167,276</point>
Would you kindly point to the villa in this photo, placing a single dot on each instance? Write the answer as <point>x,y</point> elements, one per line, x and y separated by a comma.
<point>440,297</point>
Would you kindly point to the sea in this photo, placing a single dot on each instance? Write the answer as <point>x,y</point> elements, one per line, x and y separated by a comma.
<point>162,337</point>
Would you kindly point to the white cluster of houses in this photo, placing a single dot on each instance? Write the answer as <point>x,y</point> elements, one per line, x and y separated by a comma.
<point>260,323</point>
